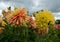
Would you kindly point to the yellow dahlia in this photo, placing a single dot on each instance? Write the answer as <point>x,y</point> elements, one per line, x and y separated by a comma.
<point>43,18</point>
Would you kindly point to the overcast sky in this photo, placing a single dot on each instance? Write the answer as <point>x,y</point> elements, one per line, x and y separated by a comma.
<point>34,5</point>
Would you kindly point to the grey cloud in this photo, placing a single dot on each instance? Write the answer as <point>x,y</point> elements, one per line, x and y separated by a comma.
<point>34,5</point>
<point>52,5</point>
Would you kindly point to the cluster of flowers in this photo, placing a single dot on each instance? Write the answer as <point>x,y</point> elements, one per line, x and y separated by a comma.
<point>19,17</point>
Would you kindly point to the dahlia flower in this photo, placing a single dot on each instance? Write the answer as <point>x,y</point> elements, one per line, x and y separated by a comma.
<point>43,19</point>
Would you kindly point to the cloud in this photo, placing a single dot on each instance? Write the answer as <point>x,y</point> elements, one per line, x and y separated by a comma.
<point>1,14</point>
<point>4,5</point>
<point>33,5</point>
<point>57,15</point>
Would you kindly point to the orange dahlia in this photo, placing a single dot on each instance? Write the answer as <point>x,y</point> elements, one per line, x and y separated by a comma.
<point>18,16</point>
<point>31,22</point>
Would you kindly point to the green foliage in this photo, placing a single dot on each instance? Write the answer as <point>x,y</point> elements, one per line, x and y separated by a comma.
<point>26,34</point>
<point>57,22</point>
<point>9,8</point>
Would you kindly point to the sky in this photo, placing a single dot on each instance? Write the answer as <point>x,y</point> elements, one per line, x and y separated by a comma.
<point>33,5</point>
